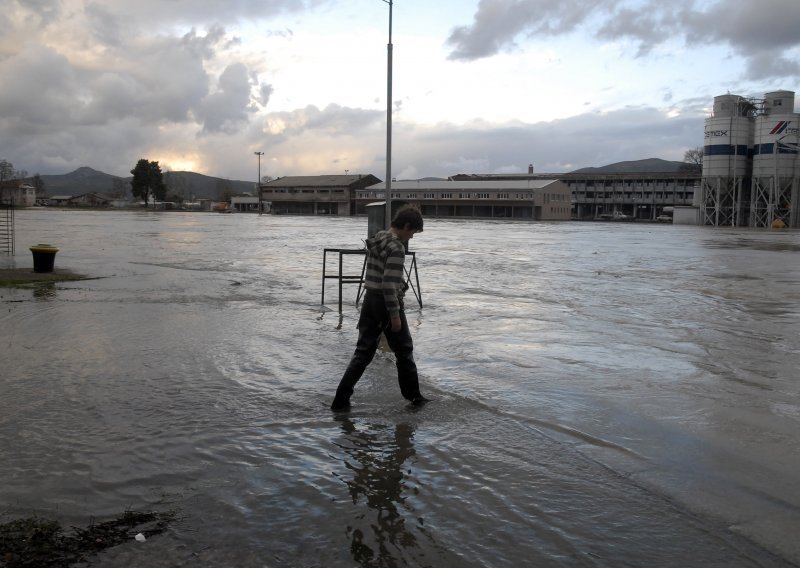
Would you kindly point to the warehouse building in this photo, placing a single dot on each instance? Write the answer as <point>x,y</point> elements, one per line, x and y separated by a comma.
<point>638,195</point>
<point>314,195</point>
<point>538,200</point>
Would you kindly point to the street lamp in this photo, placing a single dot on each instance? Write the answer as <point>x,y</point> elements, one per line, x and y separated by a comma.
<point>258,184</point>
<point>389,121</point>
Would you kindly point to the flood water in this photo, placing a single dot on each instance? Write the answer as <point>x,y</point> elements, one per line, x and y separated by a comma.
<point>603,394</point>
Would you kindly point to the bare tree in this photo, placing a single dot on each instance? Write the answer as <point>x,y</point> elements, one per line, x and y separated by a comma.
<point>693,160</point>
<point>120,187</point>
<point>224,190</point>
<point>38,183</point>
<point>6,170</point>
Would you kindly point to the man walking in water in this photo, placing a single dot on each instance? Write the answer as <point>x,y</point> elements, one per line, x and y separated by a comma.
<point>382,310</point>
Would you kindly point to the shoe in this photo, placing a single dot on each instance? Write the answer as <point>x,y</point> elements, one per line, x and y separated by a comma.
<point>339,404</point>
<point>419,400</point>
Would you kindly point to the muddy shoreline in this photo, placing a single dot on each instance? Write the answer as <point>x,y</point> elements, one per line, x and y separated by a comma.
<point>20,277</point>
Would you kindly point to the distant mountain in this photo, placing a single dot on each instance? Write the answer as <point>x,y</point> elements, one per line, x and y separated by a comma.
<point>200,185</point>
<point>650,165</point>
<point>191,184</point>
<point>88,180</point>
<point>82,180</point>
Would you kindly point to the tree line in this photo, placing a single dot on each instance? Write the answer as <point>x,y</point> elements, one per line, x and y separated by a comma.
<point>7,172</point>
<point>150,183</point>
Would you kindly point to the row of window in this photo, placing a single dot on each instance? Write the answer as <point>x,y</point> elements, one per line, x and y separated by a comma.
<point>548,197</point>
<point>627,184</point>
<point>305,191</point>
<point>379,194</point>
<point>627,195</point>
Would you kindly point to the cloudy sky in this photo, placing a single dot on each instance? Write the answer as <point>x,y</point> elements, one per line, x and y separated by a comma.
<point>480,86</point>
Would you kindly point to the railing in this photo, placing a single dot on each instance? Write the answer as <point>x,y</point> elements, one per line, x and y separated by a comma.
<point>7,227</point>
<point>412,276</point>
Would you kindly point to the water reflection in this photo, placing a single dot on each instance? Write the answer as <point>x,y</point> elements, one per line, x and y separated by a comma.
<point>377,457</point>
<point>678,345</point>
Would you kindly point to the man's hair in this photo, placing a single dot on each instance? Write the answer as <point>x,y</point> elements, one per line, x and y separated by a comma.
<point>410,216</point>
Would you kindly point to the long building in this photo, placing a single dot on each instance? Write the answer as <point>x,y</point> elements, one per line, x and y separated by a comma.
<point>538,200</point>
<point>638,195</point>
<point>642,196</point>
<point>315,195</point>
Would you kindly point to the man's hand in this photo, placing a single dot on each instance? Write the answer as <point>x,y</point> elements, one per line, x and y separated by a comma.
<point>396,324</point>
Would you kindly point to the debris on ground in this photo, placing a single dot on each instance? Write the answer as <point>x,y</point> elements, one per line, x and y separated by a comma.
<point>35,542</point>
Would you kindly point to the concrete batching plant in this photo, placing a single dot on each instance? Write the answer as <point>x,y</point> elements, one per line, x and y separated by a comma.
<point>750,162</point>
<point>774,193</point>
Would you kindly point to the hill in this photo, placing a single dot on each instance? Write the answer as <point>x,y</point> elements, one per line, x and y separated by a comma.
<point>82,180</point>
<point>191,184</point>
<point>649,165</point>
<point>199,185</point>
<point>88,180</point>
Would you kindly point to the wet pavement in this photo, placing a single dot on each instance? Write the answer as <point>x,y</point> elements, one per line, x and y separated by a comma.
<point>603,394</point>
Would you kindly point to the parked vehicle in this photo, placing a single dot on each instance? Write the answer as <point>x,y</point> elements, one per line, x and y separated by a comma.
<point>615,216</point>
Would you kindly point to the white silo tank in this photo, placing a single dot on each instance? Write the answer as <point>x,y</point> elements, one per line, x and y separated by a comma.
<point>776,133</point>
<point>728,136</point>
<point>775,183</point>
<point>779,102</point>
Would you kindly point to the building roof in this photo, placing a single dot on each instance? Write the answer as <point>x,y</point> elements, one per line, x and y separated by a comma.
<point>15,184</point>
<point>99,196</point>
<point>317,181</point>
<point>423,185</point>
<point>571,176</point>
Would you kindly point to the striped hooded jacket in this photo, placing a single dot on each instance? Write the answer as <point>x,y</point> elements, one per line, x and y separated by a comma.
<point>385,269</point>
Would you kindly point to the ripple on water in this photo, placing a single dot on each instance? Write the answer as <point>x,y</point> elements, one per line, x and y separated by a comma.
<point>588,382</point>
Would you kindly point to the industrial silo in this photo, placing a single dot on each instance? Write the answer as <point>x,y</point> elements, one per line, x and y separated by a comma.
<point>726,161</point>
<point>774,195</point>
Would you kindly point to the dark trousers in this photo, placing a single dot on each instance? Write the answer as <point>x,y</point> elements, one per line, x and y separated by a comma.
<point>373,321</point>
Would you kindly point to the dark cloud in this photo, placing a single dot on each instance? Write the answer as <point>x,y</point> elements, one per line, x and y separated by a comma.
<point>66,105</point>
<point>111,83</point>
<point>170,78</point>
<point>754,30</point>
<point>105,26</point>
<point>226,110</point>
<point>161,14</point>
<point>35,83</point>
<point>647,27</point>
<point>336,120</point>
<point>204,46</point>
<point>768,64</point>
<point>499,22</point>
<point>42,11</point>
<point>763,33</point>
<point>333,120</point>
<point>593,139</point>
<point>767,25</point>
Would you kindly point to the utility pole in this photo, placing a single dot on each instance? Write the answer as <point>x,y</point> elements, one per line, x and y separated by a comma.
<point>258,184</point>
<point>389,121</point>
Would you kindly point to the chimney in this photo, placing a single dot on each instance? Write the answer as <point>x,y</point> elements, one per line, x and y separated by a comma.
<point>530,168</point>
